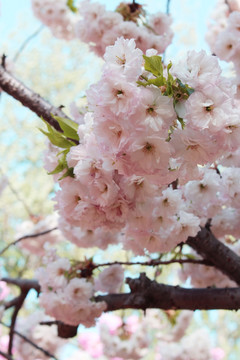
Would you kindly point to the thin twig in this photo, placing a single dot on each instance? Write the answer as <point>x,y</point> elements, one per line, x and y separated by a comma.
<point>47,353</point>
<point>3,62</point>
<point>168,7</point>
<point>157,262</point>
<point>26,237</point>
<point>26,207</point>
<point>24,44</point>
<point>229,7</point>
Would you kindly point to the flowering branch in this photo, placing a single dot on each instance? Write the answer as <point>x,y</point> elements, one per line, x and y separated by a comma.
<point>26,237</point>
<point>30,99</point>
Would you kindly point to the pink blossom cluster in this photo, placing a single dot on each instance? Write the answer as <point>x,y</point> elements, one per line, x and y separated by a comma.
<point>38,225</point>
<point>65,297</point>
<point>223,33</point>
<point>116,339</point>
<point>68,296</point>
<point>219,18</point>
<point>57,16</point>
<point>195,346</point>
<point>132,147</point>
<point>216,196</point>
<point>130,338</point>
<point>44,336</point>
<point>100,28</point>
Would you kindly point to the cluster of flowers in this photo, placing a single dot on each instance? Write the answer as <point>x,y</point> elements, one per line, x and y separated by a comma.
<point>132,146</point>
<point>57,16</point>
<point>224,30</point>
<point>116,338</point>
<point>67,293</point>
<point>100,28</point>
<point>127,339</point>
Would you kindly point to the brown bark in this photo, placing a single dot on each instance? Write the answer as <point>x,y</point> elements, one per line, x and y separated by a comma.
<point>213,250</point>
<point>146,293</point>
<point>29,98</point>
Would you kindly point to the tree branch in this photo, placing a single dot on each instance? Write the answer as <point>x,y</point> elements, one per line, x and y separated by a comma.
<point>146,293</point>
<point>6,356</point>
<point>30,342</point>
<point>30,99</point>
<point>25,285</point>
<point>24,44</point>
<point>156,262</point>
<point>26,237</point>
<point>168,7</point>
<point>19,304</point>
<point>213,250</point>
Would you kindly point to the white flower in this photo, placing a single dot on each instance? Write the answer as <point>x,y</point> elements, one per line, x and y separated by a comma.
<point>110,280</point>
<point>78,290</point>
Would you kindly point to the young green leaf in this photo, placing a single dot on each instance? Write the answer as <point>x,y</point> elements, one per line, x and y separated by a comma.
<point>69,127</point>
<point>69,172</point>
<point>70,4</point>
<point>58,139</point>
<point>153,64</point>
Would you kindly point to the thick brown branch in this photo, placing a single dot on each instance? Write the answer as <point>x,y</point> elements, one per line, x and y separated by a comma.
<point>146,293</point>
<point>213,250</point>
<point>23,284</point>
<point>17,308</point>
<point>30,99</point>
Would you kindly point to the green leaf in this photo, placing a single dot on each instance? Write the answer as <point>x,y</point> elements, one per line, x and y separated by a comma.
<point>141,83</point>
<point>58,139</point>
<point>69,127</point>
<point>159,81</point>
<point>60,167</point>
<point>70,4</point>
<point>69,172</point>
<point>64,152</point>
<point>153,64</point>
